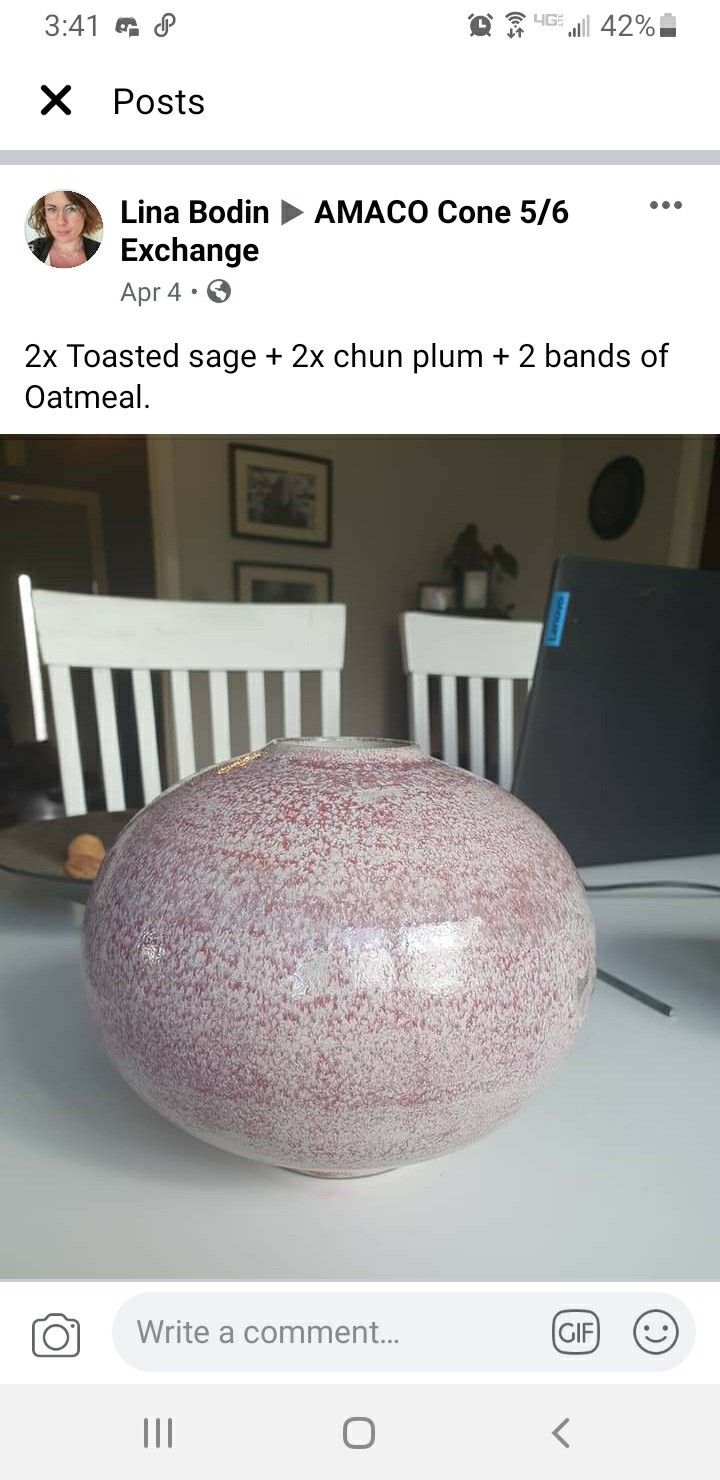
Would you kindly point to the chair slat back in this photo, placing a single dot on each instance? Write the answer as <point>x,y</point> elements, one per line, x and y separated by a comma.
<point>183,720</point>
<point>420,709</point>
<point>476,724</point>
<point>71,771</point>
<point>330,701</point>
<point>109,741</point>
<point>449,715</point>
<point>291,703</point>
<point>220,716</point>
<point>506,732</point>
<point>256,710</point>
<point>181,639</point>
<point>478,652</point>
<point>146,733</point>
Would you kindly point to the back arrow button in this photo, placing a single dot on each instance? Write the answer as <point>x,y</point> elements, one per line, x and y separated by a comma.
<point>557,1433</point>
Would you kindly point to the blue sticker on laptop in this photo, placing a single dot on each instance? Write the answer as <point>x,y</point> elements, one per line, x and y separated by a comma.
<point>557,616</point>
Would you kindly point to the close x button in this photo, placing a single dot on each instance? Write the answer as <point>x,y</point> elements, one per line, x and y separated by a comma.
<point>56,98</point>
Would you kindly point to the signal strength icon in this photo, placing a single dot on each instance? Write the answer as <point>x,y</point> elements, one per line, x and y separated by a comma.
<point>582,28</point>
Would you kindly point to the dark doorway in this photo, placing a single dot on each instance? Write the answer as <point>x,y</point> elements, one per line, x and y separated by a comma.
<point>74,516</point>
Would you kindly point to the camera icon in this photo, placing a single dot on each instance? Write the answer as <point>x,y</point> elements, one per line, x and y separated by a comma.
<point>55,1335</point>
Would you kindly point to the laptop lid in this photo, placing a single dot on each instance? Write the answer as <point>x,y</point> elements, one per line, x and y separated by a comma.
<point>620,748</point>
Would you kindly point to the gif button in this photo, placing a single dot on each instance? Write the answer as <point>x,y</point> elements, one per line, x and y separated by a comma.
<point>576,1333</point>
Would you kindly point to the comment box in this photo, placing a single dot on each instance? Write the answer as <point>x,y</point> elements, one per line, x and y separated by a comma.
<point>393,1331</point>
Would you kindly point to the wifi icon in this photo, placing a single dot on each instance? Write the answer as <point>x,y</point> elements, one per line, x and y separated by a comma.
<point>515,19</point>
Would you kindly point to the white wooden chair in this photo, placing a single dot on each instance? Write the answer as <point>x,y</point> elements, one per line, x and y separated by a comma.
<point>477,650</point>
<point>106,633</point>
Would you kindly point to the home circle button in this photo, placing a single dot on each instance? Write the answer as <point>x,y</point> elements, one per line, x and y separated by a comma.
<point>358,1433</point>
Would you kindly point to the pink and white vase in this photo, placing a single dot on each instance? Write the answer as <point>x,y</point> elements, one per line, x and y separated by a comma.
<point>337,956</point>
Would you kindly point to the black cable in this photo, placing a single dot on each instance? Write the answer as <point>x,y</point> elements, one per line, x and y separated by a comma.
<point>618,982</point>
<point>652,884</point>
<point>622,986</point>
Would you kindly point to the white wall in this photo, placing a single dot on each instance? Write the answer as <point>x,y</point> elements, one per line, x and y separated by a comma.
<point>398,503</point>
<point>674,469</point>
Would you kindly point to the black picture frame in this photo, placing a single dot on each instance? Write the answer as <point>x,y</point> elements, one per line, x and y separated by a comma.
<point>240,566</point>
<point>447,586</point>
<point>295,461</point>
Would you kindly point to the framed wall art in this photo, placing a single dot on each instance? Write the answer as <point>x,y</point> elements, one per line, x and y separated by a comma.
<point>436,597</point>
<point>263,580</point>
<point>279,496</point>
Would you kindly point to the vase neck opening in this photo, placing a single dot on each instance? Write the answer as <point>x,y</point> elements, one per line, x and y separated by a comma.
<point>349,747</point>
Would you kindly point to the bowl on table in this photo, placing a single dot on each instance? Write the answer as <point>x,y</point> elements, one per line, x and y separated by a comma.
<point>37,850</point>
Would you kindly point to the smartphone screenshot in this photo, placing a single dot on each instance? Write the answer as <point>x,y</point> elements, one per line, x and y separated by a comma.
<point>359,741</point>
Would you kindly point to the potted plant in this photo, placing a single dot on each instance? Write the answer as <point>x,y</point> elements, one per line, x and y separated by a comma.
<point>480,574</point>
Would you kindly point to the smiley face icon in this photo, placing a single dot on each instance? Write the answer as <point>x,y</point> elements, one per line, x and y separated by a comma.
<point>656,1332</point>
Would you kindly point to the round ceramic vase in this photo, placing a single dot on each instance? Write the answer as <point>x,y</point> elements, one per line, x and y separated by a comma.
<point>338,956</point>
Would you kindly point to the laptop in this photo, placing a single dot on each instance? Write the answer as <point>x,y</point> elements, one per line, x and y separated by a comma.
<point>620,747</point>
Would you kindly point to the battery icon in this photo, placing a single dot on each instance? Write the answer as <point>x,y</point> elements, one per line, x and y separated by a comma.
<point>668,25</point>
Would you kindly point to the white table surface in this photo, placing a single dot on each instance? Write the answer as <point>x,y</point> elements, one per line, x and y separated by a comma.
<point>610,1172</point>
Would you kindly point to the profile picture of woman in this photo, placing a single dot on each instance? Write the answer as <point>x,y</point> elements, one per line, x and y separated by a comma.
<point>64,229</point>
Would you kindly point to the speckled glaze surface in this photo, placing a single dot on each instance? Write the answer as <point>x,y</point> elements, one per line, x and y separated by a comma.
<point>338,957</point>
